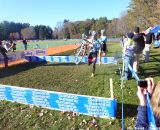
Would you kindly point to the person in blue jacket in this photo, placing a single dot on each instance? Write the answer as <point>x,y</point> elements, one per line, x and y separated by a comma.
<point>142,117</point>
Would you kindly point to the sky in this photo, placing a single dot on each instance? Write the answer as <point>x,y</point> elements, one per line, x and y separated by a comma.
<point>50,12</point>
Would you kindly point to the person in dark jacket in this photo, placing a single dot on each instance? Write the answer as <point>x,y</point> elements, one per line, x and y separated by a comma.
<point>139,46</point>
<point>13,45</point>
<point>142,117</point>
<point>25,44</point>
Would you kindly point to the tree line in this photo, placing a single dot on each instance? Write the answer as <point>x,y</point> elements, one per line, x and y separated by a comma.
<point>12,30</point>
<point>142,13</point>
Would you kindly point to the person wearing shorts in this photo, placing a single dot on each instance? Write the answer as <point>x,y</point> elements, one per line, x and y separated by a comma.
<point>95,47</point>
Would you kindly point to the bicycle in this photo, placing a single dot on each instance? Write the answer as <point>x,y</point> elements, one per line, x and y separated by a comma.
<point>81,51</point>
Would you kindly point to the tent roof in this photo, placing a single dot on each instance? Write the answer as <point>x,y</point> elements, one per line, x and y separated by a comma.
<point>156,29</point>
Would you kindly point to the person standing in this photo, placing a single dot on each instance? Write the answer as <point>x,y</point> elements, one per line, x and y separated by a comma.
<point>128,52</point>
<point>148,42</point>
<point>25,44</point>
<point>123,40</point>
<point>103,43</point>
<point>139,46</point>
<point>3,51</point>
<point>12,45</point>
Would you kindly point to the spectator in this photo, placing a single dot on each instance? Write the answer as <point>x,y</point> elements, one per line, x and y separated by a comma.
<point>123,40</point>
<point>3,51</point>
<point>142,117</point>
<point>158,36</point>
<point>139,46</point>
<point>12,45</point>
<point>148,41</point>
<point>92,57</point>
<point>128,52</point>
<point>25,44</point>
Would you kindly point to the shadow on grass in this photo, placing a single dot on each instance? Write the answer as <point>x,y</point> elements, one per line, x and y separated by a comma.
<point>150,71</point>
<point>152,68</point>
<point>4,72</point>
<point>129,110</point>
<point>155,59</point>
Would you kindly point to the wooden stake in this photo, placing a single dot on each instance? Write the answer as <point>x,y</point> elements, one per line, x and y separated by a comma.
<point>111,88</point>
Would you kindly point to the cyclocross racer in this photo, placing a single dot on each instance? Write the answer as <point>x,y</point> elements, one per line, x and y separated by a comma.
<point>94,49</point>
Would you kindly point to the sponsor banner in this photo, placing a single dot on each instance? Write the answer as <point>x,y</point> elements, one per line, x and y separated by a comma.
<point>12,57</point>
<point>21,55</point>
<point>69,59</point>
<point>35,52</point>
<point>88,105</point>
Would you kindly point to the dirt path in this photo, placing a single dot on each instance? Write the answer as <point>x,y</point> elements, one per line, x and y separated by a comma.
<point>50,51</point>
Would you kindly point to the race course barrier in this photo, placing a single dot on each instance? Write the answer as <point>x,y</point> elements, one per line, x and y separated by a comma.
<point>87,105</point>
<point>68,59</point>
<point>150,113</point>
<point>18,57</point>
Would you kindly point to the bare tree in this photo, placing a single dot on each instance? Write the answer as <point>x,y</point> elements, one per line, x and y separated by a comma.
<point>28,33</point>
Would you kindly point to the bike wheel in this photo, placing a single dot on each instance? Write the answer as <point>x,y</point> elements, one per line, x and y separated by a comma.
<point>80,54</point>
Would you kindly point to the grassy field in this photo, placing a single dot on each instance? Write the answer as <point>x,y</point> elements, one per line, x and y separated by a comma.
<point>45,44</point>
<point>75,79</point>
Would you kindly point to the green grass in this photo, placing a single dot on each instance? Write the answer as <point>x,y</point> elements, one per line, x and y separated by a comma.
<point>45,44</point>
<point>75,79</point>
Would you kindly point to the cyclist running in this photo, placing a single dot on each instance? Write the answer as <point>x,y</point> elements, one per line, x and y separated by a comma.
<point>94,49</point>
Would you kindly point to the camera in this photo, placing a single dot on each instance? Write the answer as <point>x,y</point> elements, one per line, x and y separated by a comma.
<point>142,83</point>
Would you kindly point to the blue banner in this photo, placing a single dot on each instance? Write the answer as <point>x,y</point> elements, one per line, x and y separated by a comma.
<point>88,105</point>
<point>150,114</point>
<point>151,119</point>
<point>35,52</point>
<point>69,59</point>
